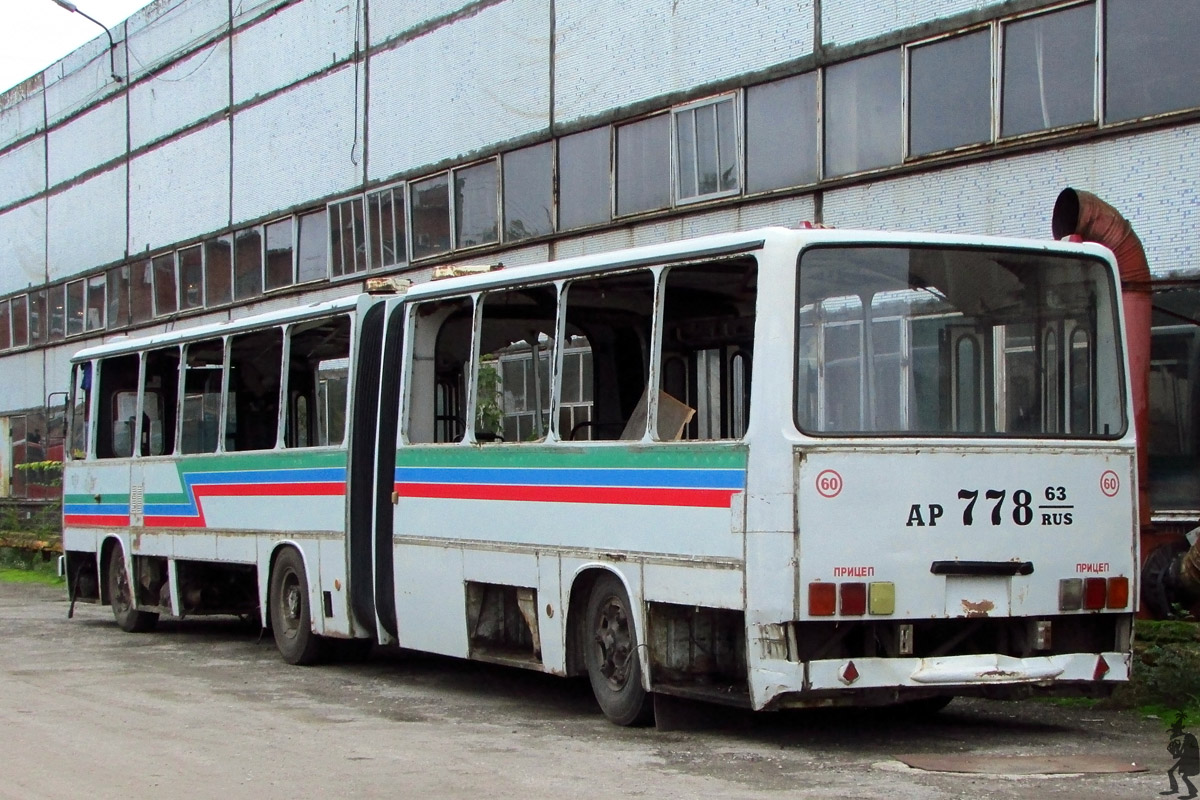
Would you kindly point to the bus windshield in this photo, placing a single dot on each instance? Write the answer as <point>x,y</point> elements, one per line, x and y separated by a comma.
<point>956,342</point>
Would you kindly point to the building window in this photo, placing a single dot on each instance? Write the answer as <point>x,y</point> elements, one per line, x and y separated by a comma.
<point>280,266</point>
<point>476,195</point>
<point>1152,58</point>
<point>706,150</point>
<point>56,302</point>
<point>118,296</point>
<point>191,277</point>
<point>141,291</point>
<point>93,319</point>
<point>1049,74</point>
<point>165,295</point>
<point>5,326</point>
<point>644,165</point>
<point>247,263</point>
<point>312,261</point>
<point>528,192</point>
<point>430,204</point>
<point>584,179</point>
<point>949,93</point>
<point>218,270</point>
<point>862,114</point>
<point>74,308</point>
<point>348,244</point>
<point>386,214</point>
<point>20,320</point>
<point>782,134</point>
<point>37,317</point>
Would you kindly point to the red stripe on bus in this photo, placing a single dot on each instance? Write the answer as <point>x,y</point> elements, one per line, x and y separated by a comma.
<point>603,495</point>
<point>174,522</point>
<point>268,490</point>
<point>96,519</point>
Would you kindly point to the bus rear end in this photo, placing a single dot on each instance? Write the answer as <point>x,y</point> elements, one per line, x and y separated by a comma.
<point>963,475</point>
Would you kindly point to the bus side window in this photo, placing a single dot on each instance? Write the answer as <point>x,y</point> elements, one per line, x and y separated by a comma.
<point>80,430</point>
<point>118,388</point>
<point>611,318</point>
<point>708,339</point>
<point>255,364</point>
<point>516,335</point>
<point>204,365</point>
<point>318,372</point>
<point>441,351</point>
<point>160,402</point>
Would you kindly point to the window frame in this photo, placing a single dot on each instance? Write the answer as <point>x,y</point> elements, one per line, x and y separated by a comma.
<point>401,255</point>
<point>993,121</point>
<point>738,114</point>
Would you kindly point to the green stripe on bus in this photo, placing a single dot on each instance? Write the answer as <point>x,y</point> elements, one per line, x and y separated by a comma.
<point>620,456</point>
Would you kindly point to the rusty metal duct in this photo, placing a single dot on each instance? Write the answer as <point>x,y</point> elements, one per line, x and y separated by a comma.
<point>1085,215</point>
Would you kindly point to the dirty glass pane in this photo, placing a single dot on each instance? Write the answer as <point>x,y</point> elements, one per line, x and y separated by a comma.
<point>20,321</point>
<point>706,149</point>
<point>247,264</point>
<point>386,210</point>
<point>202,396</point>
<point>74,308</point>
<point>1152,57</point>
<point>141,291</point>
<point>311,261</point>
<point>118,296</point>
<point>430,204</point>
<point>528,192</point>
<point>584,180</point>
<point>191,277</point>
<point>218,270</point>
<point>950,93</point>
<point>165,299</point>
<point>644,165</point>
<point>38,317</point>
<point>1049,75</point>
<point>56,315</point>
<point>93,319</point>
<point>782,133</point>
<point>5,331</point>
<point>475,204</point>
<point>280,270</point>
<point>862,114</point>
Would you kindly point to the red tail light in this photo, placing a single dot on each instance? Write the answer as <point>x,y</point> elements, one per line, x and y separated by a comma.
<point>822,599</point>
<point>1118,592</point>
<point>1095,593</point>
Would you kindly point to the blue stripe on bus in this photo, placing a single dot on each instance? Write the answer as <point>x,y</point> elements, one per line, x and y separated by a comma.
<point>96,508</point>
<point>534,476</point>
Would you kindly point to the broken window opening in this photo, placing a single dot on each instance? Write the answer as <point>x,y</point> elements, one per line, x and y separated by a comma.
<point>255,361</point>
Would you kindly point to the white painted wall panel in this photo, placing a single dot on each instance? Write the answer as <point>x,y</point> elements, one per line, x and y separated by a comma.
<point>611,53</point>
<point>299,41</point>
<point>22,387</point>
<point>162,30</point>
<point>23,171</point>
<point>180,190</point>
<point>22,247</point>
<point>1150,178</point>
<point>848,21</point>
<point>91,139</point>
<point>178,96</point>
<point>84,77</point>
<point>296,147</point>
<point>21,114</point>
<point>57,364</point>
<point>392,17</point>
<point>86,224</point>
<point>461,88</point>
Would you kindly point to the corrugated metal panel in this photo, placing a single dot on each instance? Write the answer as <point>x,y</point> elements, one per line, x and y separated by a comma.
<point>188,91</point>
<point>86,224</point>
<point>390,19</point>
<point>849,21</point>
<point>461,88</point>
<point>86,142</point>
<point>23,171</point>
<point>84,77</point>
<point>27,391</point>
<point>1150,178</point>
<point>299,41</point>
<point>297,146</point>
<point>180,190</point>
<point>23,114</point>
<point>165,28</point>
<point>611,53</point>
<point>22,248</point>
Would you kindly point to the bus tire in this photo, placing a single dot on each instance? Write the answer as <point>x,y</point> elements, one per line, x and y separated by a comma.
<point>291,620</point>
<point>611,657</point>
<point>120,595</point>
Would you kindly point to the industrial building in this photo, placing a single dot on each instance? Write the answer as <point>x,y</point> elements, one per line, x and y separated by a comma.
<point>231,156</point>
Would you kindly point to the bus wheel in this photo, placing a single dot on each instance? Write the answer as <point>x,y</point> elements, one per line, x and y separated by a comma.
<point>610,654</point>
<point>290,617</point>
<point>120,594</point>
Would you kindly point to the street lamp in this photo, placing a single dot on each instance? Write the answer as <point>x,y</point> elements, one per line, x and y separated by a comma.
<point>112,46</point>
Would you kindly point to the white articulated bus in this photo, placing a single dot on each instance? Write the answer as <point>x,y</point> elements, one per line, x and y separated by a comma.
<point>775,468</point>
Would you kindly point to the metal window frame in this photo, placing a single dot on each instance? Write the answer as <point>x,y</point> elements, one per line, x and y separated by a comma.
<point>88,282</point>
<point>497,202</point>
<point>203,278</point>
<point>739,147</point>
<point>503,218</point>
<point>401,254</point>
<point>410,206</point>
<point>906,154</point>
<point>614,164</point>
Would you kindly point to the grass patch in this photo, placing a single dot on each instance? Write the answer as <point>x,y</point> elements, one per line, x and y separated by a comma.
<point>12,575</point>
<point>28,566</point>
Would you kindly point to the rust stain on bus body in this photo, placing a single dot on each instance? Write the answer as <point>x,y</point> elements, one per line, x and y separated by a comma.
<point>980,609</point>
